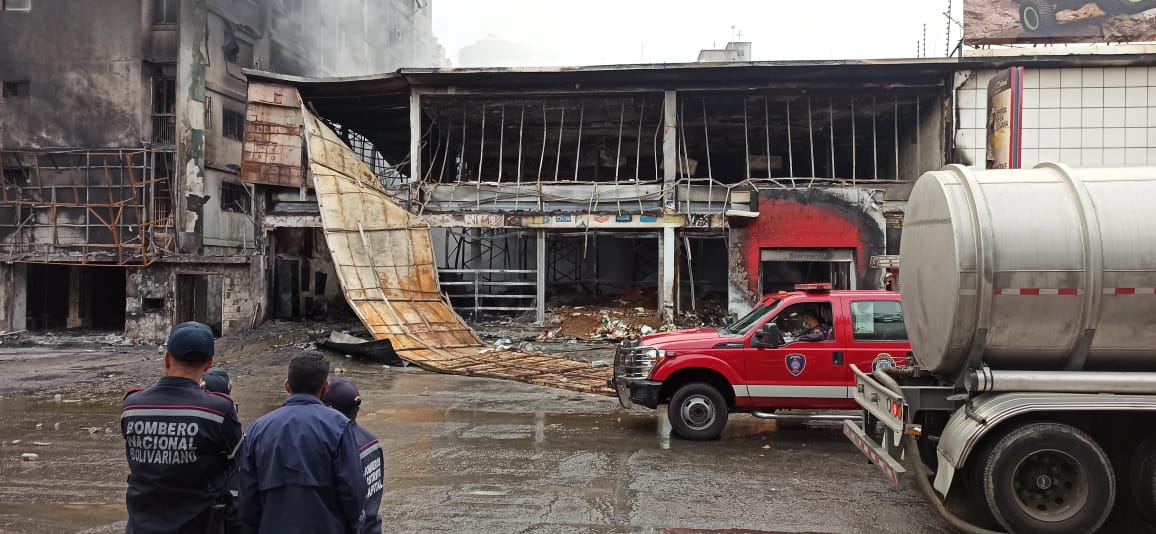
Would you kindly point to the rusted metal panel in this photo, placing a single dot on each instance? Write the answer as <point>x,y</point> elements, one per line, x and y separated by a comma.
<point>384,261</point>
<point>272,151</point>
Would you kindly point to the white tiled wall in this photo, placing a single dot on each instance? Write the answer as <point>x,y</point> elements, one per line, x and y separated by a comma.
<point>1085,117</point>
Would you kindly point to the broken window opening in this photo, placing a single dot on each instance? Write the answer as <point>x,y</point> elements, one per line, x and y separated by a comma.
<point>789,140</point>
<point>556,139</point>
<point>76,206</point>
<point>164,110</point>
<point>234,198</point>
<point>702,282</point>
<point>232,124</point>
<point>165,11</point>
<point>590,268</point>
<point>16,89</point>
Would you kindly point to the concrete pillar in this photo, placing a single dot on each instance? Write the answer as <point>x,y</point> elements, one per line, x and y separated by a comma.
<point>666,274</point>
<point>669,149</point>
<point>415,141</point>
<point>75,312</point>
<point>19,297</point>
<point>540,253</point>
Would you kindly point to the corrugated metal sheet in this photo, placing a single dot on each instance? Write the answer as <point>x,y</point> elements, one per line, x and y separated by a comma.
<point>272,149</point>
<point>385,263</point>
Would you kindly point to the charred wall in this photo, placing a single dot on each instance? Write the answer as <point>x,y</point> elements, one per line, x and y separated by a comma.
<point>86,77</point>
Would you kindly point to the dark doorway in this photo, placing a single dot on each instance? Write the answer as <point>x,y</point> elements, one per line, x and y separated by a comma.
<point>199,299</point>
<point>286,289</point>
<point>104,288</point>
<point>48,296</point>
<point>778,276</point>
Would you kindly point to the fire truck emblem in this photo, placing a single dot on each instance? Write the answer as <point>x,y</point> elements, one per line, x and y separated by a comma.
<point>796,363</point>
<point>882,361</point>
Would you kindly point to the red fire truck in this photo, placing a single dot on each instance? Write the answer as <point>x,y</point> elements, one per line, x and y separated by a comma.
<point>757,365</point>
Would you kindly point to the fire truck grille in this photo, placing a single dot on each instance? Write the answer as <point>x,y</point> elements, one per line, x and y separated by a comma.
<point>632,361</point>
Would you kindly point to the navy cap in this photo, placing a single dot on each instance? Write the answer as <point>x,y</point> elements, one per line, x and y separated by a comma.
<point>216,379</point>
<point>342,395</point>
<point>191,342</point>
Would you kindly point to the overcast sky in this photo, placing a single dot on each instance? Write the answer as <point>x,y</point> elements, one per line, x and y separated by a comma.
<point>598,32</point>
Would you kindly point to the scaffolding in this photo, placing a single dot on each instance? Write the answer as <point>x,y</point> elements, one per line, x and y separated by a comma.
<point>86,207</point>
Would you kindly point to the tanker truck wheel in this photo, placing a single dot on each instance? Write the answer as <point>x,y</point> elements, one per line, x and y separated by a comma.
<point>1037,15</point>
<point>697,412</point>
<point>1049,478</point>
<point>1143,478</point>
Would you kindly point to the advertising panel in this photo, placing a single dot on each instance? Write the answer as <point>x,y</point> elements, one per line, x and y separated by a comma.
<point>1058,21</point>
<point>1005,102</point>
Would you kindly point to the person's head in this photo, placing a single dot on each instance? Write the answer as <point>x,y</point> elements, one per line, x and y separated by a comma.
<point>216,379</point>
<point>189,351</point>
<point>308,374</point>
<point>343,396</point>
<point>810,319</point>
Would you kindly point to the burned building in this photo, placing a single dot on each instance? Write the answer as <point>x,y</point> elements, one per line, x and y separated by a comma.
<point>693,183</point>
<point>120,150</point>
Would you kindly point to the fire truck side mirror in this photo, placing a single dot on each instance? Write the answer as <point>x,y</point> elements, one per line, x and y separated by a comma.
<point>768,337</point>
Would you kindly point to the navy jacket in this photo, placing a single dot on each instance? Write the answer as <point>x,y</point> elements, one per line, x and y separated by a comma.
<point>301,471</point>
<point>371,465</point>
<point>180,441</point>
<point>820,332</point>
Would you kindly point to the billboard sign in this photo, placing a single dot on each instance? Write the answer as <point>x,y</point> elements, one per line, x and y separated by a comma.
<point>1058,21</point>
<point>1005,102</point>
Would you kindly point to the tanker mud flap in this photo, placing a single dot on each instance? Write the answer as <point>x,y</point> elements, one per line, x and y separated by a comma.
<point>890,467</point>
<point>890,410</point>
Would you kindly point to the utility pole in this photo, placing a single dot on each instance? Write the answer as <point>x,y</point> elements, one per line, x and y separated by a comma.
<point>947,44</point>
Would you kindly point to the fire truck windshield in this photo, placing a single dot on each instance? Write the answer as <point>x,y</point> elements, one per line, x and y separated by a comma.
<point>750,320</point>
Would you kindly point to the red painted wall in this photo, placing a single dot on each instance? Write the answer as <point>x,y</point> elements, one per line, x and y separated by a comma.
<point>790,224</point>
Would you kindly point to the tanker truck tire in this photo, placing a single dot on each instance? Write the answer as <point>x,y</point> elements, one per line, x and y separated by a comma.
<point>1143,479</point>
<point>1049,478</point>
<point>697,411</point>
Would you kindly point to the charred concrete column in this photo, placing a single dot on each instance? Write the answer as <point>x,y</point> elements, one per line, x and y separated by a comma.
<point>666,274</point>
<point>19,318</point>
<point>190,173</point>
<point>414,143</point>
<point>75,313</point>
<point>540,254</point>
<point>669,149</point>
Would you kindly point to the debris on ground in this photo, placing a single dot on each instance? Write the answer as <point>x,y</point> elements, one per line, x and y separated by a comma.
<point>29,457</point>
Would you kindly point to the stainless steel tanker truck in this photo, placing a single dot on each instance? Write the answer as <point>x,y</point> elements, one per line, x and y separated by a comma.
<point>1029,298</point>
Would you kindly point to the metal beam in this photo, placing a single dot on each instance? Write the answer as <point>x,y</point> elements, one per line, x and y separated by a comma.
<point>540,253</point>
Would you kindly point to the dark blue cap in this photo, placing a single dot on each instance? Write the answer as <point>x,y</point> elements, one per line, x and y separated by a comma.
<point>216,380</point>
<point>342,395</point>
<point>191,342</point>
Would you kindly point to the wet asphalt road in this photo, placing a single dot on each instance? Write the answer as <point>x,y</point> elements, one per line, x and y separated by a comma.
<point>478,455</point>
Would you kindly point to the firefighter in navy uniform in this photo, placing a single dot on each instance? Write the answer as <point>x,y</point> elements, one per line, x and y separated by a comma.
<point>180,441</point>
<point>343,396</point>
<point>813,329</point>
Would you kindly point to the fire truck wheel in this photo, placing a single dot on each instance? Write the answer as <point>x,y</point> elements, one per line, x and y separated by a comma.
<point>1049,478</point>
<point>697,411</point>
<point>1143,478</point>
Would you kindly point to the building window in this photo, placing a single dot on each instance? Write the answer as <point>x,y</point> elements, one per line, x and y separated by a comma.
<point>16,89</point>
<point>234,198</point>
<point>164,111</point>
<point>165,11</point>
<point>17,5</point>
<point>878,320</point>
<point>232,124</point>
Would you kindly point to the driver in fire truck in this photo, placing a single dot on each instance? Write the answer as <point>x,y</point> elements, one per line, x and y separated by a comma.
<point>813,328</point>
